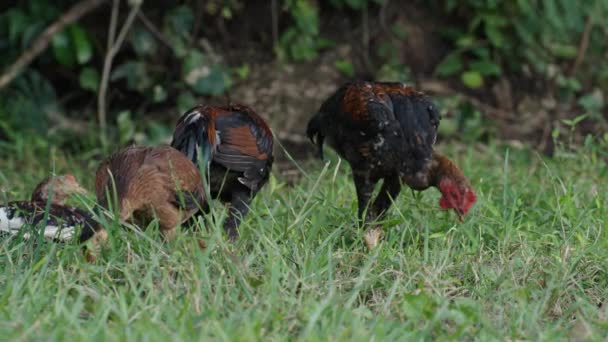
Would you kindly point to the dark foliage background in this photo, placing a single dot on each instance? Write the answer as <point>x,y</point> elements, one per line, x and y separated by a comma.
<point>528,71</point>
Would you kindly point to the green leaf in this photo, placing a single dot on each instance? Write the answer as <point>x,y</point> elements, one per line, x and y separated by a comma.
<point>486,68</point>
<point>227,12</point>
<point>136,74</point>
<point>178,24</point>
<point>180,20</point>
<point>592,102</point>
<point>204,77</point>
<point>89,79</point>
<point>345,67</point>
<point>17,23</point>
<point>185,101</point>
<point>451,65</point>
<point>356,4</point>
<point>143,42</point>
<point>417,306</point>
<point>243,71</point>
<point>575,121</point>
<point>159,93</point>
<point>126,127</point>
<point>494,35</point>
<point>62,49</point>
<point>495,20</point>
<point>481,52</point>
<point>570,83</point>
<point>465,41</point>
<point>450,5</point>
<point>472,79</point>
<point>564,50</point>
<point>399,30</point>
<point>180,45</point>
<point>82,44</point>
<point>448,127</point>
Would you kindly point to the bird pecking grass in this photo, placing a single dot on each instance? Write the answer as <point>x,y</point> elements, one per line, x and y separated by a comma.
<point>529,262</point>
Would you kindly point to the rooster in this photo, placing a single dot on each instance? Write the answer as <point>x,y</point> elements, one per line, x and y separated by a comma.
<point>146,183</point>
<point>234,146</point>
<point>60,220</point>
<point>386,131</point>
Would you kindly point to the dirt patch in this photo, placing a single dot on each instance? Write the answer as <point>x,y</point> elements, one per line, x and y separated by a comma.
<point>287,96</point>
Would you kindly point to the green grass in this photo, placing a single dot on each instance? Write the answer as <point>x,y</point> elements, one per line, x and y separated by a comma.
<point>529,262</point>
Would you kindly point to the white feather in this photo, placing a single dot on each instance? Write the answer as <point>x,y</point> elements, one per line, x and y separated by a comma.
<point>193,117</point>
<point>218,139</point>
<point>10,225</point>
<point>15,224</point>
<point>60,233</point>
<point>54,232</point>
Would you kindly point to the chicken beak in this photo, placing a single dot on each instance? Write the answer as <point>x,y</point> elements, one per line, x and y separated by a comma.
<point>460,215</point>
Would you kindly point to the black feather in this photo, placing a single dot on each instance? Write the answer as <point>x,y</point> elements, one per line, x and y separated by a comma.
<point>191,134</point>
<point>384,131</point>
<point>313,132</point>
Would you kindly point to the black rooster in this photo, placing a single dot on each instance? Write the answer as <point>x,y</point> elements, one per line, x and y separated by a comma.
<point>387,131</point>
<point>235,146</point>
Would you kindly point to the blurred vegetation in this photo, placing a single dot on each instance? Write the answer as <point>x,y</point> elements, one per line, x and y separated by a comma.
<point>498,64</point>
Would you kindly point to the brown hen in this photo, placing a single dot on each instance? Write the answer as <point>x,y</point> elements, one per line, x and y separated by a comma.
<point>146,183</point>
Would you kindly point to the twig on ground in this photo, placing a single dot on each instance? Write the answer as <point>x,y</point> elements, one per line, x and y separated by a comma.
<point>583,45</point>
<point>444,89</point>
<point>114,45</point>
<point>62,122</point>
<point>197,22</point>
<point>42,42</point>
<point>365,37</point>
<point>274,13</point>
<point>382,19</point>
<point>152,28</point>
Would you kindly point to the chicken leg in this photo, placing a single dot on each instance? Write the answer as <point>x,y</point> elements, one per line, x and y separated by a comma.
<point>239,207</point>
<point>389,191</point>
<point>365,188</point>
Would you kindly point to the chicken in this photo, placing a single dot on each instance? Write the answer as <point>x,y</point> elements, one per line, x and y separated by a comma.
<point>235,146</point>
<point>387,131</point>
<point>150,182</point>
<point>61,221</point>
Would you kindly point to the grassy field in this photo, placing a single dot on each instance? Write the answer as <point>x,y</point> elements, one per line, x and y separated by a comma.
<point>529,262</point>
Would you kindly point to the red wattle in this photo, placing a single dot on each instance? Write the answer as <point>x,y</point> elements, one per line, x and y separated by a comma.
<point>443,202</point>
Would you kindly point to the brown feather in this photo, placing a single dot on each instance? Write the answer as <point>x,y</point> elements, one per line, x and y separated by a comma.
<point>242,140</point>
<point>249,111</point>
<point>441,166</point>
<point>148,179</point>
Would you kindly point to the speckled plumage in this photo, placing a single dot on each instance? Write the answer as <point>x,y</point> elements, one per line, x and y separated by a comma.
<point>61,223</point>
<point>62,220</point>
<point>386,131</point>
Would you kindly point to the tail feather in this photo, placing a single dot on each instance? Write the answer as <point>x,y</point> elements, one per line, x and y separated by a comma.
<point>193,133</point>
<point>313,131</point>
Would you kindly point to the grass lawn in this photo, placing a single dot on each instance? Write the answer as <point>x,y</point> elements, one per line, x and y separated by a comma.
<point>529,262</point>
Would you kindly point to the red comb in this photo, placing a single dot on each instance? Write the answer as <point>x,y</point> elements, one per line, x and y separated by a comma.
<point>70,177</point>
